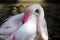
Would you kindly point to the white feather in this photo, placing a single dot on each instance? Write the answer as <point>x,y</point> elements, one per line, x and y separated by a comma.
<point>27,31</point>
<point>11,25</point>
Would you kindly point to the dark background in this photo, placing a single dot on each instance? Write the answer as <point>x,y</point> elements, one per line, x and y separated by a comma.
<point>8,1</point>
<point>52,15</point>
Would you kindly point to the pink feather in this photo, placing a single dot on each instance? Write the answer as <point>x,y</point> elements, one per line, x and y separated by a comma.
<point>13,38</point>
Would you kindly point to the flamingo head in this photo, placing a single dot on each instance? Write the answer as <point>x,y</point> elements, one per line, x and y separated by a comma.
<point>31,10</point>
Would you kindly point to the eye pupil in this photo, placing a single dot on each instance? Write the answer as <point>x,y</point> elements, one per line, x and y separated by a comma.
<point>37,11</point>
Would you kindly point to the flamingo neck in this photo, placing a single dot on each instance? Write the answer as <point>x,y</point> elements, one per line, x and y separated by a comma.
<point>25,17</point>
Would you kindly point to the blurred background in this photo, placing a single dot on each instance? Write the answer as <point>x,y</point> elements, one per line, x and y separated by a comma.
<point>10,8</point>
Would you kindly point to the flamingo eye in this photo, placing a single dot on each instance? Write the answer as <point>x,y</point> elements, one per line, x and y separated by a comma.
<point>37,11</point>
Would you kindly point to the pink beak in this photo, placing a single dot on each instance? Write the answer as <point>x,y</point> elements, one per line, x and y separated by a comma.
<point>25,17</point>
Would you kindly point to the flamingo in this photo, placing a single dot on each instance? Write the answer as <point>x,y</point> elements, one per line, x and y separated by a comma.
<point>33,24</point>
